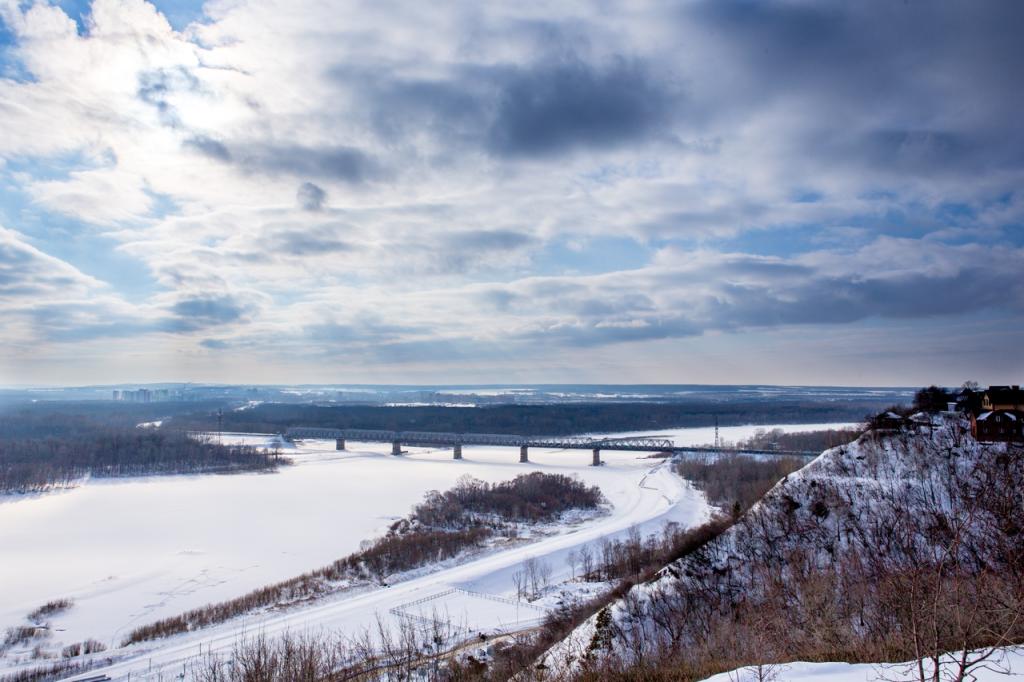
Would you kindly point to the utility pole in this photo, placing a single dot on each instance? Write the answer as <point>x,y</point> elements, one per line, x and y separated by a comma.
<point>220,427</point>
<point>717,441</point>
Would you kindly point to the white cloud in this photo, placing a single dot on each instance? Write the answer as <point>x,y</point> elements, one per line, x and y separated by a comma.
<point>104,196</point>
<point>463,148</point>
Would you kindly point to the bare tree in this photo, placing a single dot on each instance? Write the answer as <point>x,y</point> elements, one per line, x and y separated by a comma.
<point>519,580</point>
<point>586,561</point>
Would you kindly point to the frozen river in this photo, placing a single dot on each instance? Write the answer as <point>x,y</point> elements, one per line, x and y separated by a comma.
<point>130,551</point>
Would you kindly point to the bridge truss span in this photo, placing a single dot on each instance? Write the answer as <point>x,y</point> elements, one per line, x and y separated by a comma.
<point>638,443</point>
<point>457,440</point>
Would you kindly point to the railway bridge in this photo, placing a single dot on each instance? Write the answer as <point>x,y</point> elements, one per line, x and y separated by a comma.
<point>524,443</point>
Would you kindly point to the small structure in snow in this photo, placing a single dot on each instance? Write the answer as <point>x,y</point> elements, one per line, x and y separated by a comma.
<point>998,426</point>
<point>887,421</point>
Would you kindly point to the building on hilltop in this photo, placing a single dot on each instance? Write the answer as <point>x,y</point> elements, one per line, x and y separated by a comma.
<point>1003,398</point>
<point>887,421</point>
<point>997,415</point>
<point>998,426</point>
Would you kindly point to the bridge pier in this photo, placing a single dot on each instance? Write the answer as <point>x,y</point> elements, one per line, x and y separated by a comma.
<point>339,444</point>
<point>523,457</point>
<point>597,458</point>
<point>457,451</point>
<point>396,448</point>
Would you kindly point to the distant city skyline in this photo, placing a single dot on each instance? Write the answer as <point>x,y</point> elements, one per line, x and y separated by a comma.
<point>702,192</point>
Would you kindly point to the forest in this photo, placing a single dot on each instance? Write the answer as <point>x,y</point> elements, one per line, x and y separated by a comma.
<point>531,420</point>
<point>42,449</point>
<point>808,441</point>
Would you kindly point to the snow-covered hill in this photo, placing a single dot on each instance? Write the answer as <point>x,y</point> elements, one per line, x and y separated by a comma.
<point>899,545</point>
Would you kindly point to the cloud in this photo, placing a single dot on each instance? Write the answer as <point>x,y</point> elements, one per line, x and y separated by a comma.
<point>343,163</point>
<point>549,109</point>
<point>47,300</point>
<point>209,147</point>
<point>156,88</point>
<point>300,240</point>
<point>706,292</point>
<point>310,197</point>
<point>346,164</point>
<point>102,196</point>
<point>27,274</point>
<point>203,311</point>
<point>462,149</point>
<point>487,240</point>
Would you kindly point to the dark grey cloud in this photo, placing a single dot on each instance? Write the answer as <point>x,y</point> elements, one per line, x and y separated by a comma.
<point>499,299</point>
<point>913,87</point>
<point>203,311</point>
<point>77,321</point>
<point>552,108</point>
<point>454,110</point>
<point>489,240</point>
<point>310,197</point>
<point>608,332</point>
<point>343,163</point>
<point>347,164</point>
<point>305,241</point>
<point>827,300</point>
<point>901,280</point>
<point>545,108</point>
<point>207,146</point>
<point>464,250</point>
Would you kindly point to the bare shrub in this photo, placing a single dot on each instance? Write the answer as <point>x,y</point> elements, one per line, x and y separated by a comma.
<point>735,482</point>
<point>89,646</point>
<point>50,608</point>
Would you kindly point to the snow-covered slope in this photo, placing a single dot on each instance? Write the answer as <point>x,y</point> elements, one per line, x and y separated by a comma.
<point>1007,661</point>
<point>824,563</point>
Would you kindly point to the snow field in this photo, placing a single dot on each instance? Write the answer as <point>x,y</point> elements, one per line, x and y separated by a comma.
<point>1008,665</point>
<point>471,612</point>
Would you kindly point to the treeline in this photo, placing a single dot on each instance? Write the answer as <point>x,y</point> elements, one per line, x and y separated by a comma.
<point>445,524</point>
<point>70,418</point>
<point>36,464</point>
<point>531,420</point>
<point>533,498</point>
<point>811,441</point>
<point>735,482</point>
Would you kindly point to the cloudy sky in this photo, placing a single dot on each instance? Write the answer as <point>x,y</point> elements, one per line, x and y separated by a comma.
<point>708,191</point>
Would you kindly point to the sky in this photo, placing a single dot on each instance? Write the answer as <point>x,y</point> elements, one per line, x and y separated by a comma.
<point>699,191</point>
